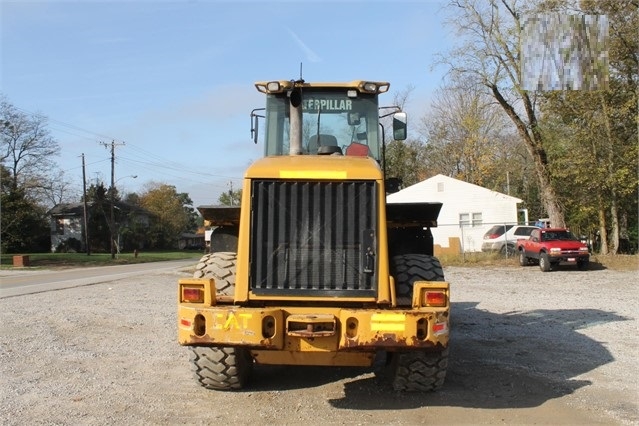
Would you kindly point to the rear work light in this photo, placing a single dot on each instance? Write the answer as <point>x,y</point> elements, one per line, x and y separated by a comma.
<point>373,87</point>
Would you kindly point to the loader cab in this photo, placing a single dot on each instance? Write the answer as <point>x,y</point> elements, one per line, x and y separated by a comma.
<point>337,118</point>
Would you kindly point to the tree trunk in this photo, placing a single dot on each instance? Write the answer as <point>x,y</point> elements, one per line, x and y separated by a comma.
<point>614,214</point>
<point>614,225</point>
<point>603,234</point>
<point>532,141</point>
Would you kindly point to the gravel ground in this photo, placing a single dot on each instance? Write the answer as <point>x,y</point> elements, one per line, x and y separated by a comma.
<point>527,347</point>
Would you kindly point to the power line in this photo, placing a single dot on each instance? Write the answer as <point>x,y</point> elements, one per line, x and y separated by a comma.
<point>162,164</point>
<point>182,169</point>
<point>62,123</point>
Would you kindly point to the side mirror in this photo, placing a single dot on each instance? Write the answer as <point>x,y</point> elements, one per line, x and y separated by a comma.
<point>255,123</point>
<point>353,119</point>
<point>255,129</point>
<point>399,126</point>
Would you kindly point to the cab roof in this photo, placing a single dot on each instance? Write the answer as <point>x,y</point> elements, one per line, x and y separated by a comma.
<point>280,86</point>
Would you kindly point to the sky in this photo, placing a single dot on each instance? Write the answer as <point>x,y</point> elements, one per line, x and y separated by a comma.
<point>171,83</point>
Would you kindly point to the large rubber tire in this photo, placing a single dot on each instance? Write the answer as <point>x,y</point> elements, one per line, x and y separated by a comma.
<point>408,268</point>
<point>419,371</point>
<point>582,265</point>
<point>222,267</point>
<point>523,259</point>
<point>508,250</point>
<point>415,370</point>
<point>544,262</point>
<point>221,368</point>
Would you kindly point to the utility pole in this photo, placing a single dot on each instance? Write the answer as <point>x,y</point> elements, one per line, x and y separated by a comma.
<point>84,197</point>
<point>112,197</point>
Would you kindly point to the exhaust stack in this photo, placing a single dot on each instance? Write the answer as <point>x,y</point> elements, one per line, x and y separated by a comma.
<point>296,122</point>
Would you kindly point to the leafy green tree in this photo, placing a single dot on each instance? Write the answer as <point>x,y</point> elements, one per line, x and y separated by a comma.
<point>194,219</point>
<point>98,218</point>
<point>594,135</point>
<point>230,198</point>
<point>170,217</point>
<point>406,161</point>
<point>132,198</point>
<point>24,225</point>
<point>401,160</point>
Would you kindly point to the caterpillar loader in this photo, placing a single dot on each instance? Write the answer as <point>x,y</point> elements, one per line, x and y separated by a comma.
<point>314,268</point>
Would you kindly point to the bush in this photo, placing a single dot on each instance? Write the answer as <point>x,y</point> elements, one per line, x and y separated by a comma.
<point>71,245</point>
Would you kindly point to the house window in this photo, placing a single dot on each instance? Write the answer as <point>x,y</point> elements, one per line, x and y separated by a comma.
<point>59,226</point>
<point>464,219</point>
<point>470,219</point>
<point>477,220</point>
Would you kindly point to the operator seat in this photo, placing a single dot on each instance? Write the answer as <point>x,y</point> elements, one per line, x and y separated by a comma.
<point>322,139</point>
<point>358,149</point>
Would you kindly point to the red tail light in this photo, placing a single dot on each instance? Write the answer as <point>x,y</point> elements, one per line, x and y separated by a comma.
<point>491,236</point>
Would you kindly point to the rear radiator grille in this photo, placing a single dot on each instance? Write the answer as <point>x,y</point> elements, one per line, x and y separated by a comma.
<point>313,238</point>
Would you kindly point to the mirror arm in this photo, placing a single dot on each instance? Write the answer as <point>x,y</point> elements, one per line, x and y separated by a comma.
<point>394,110</point>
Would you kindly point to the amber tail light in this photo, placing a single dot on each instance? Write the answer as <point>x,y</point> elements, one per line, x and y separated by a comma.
<point>197,290</point>
<point>435,298</point>
<point>431,294</point>
<point>192,294</point>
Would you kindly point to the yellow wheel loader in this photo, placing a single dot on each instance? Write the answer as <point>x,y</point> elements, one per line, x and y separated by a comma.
<point>314,267</point>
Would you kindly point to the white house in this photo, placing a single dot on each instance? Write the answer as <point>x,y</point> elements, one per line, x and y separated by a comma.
<point>468,210</point>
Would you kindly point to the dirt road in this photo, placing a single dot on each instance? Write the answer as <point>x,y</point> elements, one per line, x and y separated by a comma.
<point>527,347</point>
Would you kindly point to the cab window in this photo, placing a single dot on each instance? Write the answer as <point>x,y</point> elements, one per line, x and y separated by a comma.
<point>328,118</point>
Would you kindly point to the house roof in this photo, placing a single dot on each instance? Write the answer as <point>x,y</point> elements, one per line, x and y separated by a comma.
<point>441,187</point>
<point>68,209</point>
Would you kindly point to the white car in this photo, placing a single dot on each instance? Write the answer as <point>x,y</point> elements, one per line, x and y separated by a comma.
<point>495,239</point>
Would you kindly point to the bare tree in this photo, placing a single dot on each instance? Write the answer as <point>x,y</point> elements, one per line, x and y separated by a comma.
<point>26,149</point>
<point>55,188</point>
<point>490,55</point>
<point>467,135</point>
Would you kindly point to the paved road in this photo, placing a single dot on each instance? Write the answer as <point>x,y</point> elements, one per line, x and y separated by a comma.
<point>16,282</point>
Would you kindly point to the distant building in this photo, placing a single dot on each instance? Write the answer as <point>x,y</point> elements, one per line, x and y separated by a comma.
<point>68,230</point>
<point>192,241</point>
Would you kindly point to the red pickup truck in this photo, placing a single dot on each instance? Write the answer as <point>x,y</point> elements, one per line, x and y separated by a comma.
<point>551,246</point>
